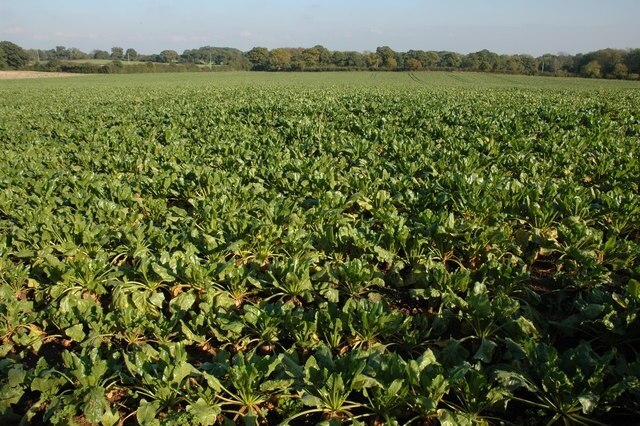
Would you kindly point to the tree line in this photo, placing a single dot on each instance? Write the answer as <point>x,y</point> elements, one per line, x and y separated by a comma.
<point>605,63</point>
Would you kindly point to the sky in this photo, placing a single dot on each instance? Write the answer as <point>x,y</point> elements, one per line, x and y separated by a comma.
<point>464,26</point>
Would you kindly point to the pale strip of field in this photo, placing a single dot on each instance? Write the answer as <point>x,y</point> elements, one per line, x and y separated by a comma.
<point>11,75</point>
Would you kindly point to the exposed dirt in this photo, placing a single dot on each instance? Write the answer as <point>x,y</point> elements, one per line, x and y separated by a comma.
<point>12,75</point>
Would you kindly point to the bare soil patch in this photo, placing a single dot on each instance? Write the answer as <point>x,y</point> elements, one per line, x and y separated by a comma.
<point>11,75</point>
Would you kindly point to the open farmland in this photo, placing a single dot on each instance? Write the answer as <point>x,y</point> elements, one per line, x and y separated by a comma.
<point>19,75</point>
<point>349,247</point>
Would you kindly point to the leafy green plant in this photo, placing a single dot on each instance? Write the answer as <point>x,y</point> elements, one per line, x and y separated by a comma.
<point>329,383</point>
<point>566,386</point>
<point>370,322</point>
<point>160,375</point>
<point>252,386</point>
<point>321,248</point>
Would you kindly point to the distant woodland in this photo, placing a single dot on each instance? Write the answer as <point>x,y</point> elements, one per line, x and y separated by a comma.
<point>605,63</point>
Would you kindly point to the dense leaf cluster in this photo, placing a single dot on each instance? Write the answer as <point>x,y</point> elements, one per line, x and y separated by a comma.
<point>291,254</point>
<point>12,55</point>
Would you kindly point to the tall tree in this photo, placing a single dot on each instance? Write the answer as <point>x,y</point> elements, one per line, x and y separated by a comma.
<point>391,63</point>
<point>259,58</point>
<point>450,60</point>
<point>353,59</point>
<point>592,69</point>
<point>33,54</point>
<point>117,53</point>
<point>620,70</point>
<point>3,60</point>
<point>372,60</point>
<point>387,57</point>
<point>311,57</point>
<point>608,59</point>
<point>413,64</point>
<point>483,60</point>
<point>338,58</point>
<point>168,56</point>
<point>75,53</point>
<point>100,54</point>
<point>530,64</point>
<point>324,54</point>
<point>426,59</point>
<point>131,54</point>
<point>512,64</point>
<point>279,59</point>
<point>632,61</point>
<point>14,55</point>
<point>61,52</point>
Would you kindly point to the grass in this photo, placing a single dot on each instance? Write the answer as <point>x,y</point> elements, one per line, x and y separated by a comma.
<point>399,80</point>
<point>104,61</point>
<point>97,61</point>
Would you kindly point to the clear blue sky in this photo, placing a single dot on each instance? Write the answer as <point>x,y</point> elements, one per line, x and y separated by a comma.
<point>149,26</point>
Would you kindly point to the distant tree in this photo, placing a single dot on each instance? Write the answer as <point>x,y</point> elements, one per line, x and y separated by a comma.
<point>13,56</point>
<point>100,54</point>
<point>353,60</point>
<point>387,57</point>
<point>620,70</point>
<point>168,56</point>
<point>33,54</point>
<point>3,60</point>
<point>61,52</point>
<point>608,59</point>
<point>117,53</point>
<point>592,69</point>
<point>413,64</point>
<point>488,60</point>
<point>430,59</point>
<point>338,58</point>
<point>239,62</point>
<point>279,59</point>
<point>530,64</point>
<point>566,63</point>
<point>296,58</point>
<point>400,57</point>
<point>131,54</point>
<point>450,60</point>
<point>75,53</point>
<point>483,60</point>
<point>311,57</point>
<point>209,55</point>
<point>41,55</point>
<point>414,54</point>
<point>192,56</point>
<point>512,63</point>
<point>632,61</point>
<point>259,58</point>
<point>607,63</point>
<point>426,59</point>
<point>324,54</point>
<point>548,63</point>
<point>371,60</point>
<point>471,62</point>
<point>53,64</point>
<point>391,63</point>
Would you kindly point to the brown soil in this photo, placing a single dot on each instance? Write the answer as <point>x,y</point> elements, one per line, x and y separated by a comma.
<point>12,75</point>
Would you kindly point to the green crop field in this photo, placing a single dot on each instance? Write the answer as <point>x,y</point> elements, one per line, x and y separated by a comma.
<point>359,248</point>
<point>415,81</point>
<point>99,61</point>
